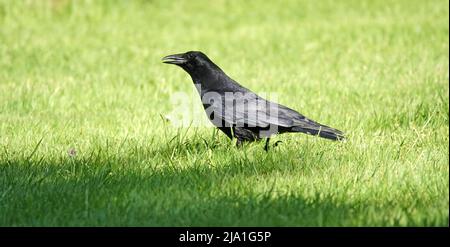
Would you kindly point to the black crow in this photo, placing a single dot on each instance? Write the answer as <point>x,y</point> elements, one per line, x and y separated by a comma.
<point>239,112</point>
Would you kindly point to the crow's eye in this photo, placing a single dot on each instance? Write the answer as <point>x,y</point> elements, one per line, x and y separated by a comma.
<point>191,58</point>
<point>190,55</point>
<point>194,60</point>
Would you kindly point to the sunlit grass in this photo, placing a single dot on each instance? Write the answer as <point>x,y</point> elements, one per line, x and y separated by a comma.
<point>83,99</point>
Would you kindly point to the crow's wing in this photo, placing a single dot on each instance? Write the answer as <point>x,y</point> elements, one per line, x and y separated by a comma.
<point>252,110</point>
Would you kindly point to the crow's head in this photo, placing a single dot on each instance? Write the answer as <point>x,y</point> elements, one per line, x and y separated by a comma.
<point>194,62</point>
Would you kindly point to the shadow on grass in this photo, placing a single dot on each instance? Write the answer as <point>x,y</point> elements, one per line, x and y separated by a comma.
<point>129,191</point>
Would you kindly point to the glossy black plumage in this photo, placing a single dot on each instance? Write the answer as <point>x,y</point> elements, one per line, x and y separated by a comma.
<point>245,115</point>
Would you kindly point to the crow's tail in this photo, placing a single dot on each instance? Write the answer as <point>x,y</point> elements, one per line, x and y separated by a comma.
<point>322,131</point>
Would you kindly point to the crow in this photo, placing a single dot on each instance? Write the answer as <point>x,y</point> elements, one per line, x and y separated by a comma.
<point>239,112</point>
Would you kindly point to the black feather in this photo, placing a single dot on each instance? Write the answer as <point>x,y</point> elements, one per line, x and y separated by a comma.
<point>247,116</point>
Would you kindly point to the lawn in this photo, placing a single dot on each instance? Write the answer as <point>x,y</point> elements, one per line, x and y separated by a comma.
<point>87,137</point>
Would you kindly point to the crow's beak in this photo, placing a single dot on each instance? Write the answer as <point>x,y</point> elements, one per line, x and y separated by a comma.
<point>174,59</point>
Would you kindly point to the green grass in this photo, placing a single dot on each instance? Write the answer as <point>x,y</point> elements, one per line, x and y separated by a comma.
<point>87,75</point>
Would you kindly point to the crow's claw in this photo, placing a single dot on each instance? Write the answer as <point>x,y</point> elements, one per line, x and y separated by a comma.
<point>276,143</point>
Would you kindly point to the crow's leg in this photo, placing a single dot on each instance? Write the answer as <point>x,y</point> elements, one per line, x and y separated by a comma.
<point>239,143</point>
<point>266,147</point>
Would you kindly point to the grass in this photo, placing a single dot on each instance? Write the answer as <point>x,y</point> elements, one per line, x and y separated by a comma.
<point>86,76</point>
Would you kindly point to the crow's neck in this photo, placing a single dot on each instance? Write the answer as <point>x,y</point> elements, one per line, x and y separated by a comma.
<point>211,80</point>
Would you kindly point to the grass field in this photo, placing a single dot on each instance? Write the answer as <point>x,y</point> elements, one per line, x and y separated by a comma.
<point>83,95</point>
